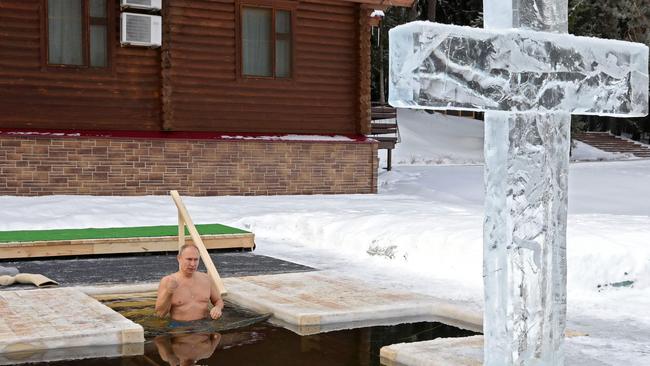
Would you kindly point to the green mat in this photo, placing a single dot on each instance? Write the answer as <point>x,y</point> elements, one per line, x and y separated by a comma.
<point>110,233</point>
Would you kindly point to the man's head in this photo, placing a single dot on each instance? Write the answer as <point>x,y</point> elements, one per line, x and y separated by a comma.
<point>188,259</point>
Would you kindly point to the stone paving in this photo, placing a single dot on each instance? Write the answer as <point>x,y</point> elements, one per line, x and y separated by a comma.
<point>314,302</point>
<point>37,320</point>
<point>466,351</point>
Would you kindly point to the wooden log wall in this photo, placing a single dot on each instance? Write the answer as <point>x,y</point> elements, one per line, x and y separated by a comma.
<point>365,105</point>
<point>191,83</point>
<point>125,96</point>
<point>202,91</point>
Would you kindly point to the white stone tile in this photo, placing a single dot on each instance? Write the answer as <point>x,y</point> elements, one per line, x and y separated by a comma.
<point>313,302</point>
<point>35,321</point>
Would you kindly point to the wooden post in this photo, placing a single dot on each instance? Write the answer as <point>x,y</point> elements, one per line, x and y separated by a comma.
<point>181,230</point>
<point>196,238</point>
<point>389,159</point>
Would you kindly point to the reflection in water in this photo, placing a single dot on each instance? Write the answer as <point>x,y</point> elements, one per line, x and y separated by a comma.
<point>242,338</point>
<point>185,343</point>
<point>264,344</point>
<point>186,349</point>
<point>141,311</point>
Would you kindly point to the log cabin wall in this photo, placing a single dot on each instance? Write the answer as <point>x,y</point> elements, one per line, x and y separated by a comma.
<point>124,96</point>
<point>198,88</point>
<point>190,84</point>
<point>204,90</point>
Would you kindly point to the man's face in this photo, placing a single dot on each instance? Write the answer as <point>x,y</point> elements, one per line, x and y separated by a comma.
<point>188,261</point>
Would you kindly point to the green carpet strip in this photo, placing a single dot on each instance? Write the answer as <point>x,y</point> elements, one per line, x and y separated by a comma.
<point>110,233</point>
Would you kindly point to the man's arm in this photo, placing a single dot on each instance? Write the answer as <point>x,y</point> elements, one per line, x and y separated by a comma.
<point>164,345</point>
<point>165,292</point>
<point>217,302</point>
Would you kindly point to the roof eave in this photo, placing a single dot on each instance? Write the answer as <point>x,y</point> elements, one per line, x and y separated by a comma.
<point>384,3</point>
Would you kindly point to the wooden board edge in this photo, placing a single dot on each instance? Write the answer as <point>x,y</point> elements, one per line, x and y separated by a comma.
<point>107,240</point>
<point>114,246</point>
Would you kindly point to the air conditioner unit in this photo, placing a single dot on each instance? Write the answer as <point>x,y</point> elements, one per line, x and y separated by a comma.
<point>141,30</point>
<point>141,4</point>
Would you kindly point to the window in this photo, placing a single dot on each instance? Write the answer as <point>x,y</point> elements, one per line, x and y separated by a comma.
<point>77,33</point>
<point>266,42</point>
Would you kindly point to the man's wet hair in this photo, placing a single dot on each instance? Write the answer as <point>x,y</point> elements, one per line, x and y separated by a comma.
<point>185,246</point>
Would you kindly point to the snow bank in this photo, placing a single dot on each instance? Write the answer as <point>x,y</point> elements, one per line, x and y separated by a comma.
<point>438,139</point>
<point>432,139</point>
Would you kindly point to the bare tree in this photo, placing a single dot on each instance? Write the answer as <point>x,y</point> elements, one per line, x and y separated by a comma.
<point>382,92</point>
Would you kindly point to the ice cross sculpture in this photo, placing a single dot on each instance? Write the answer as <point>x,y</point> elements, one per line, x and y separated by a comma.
<point>529,83</point>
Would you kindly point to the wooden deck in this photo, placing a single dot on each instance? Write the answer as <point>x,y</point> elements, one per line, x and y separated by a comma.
<point>99,246</point>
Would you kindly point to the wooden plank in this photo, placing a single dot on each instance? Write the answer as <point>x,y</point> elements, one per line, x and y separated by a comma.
<point>117,246</point>
<point>181,231</point>
<point>333,7</point>
<point>204,5</point>
<point>198,243</point>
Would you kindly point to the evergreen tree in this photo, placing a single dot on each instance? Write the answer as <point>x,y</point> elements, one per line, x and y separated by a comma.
<point>459,12</point>
<point>627,20</point>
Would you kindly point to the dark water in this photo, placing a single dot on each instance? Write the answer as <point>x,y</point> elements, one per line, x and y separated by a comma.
<point>260,343</point>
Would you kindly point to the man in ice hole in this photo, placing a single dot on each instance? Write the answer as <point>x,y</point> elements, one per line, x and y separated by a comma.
<point>186,294</point>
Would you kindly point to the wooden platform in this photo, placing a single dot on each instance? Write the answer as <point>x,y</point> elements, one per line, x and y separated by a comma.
<point>78,245</point>
<point>36,323</point>
<point>323,301</point>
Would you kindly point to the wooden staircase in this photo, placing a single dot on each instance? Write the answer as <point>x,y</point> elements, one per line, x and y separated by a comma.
<point>384,129</point>
<point>607,142</point>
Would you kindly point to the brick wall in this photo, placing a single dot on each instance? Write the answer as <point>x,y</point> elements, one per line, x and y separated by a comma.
<point>32,166</point>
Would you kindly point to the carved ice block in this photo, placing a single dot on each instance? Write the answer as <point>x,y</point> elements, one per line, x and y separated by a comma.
<point>436,66</point>
<point>524,244</point>
<point>547,15</point>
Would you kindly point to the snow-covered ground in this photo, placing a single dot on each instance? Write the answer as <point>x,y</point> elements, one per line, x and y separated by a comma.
<point>423,231</point>
<point>434,139</point>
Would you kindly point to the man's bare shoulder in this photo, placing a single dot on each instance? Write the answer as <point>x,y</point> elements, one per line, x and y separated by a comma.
<point>168,278</point>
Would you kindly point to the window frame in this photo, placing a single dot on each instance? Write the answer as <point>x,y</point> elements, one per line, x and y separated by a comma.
<point>289,6</point>
<point>86,22</point>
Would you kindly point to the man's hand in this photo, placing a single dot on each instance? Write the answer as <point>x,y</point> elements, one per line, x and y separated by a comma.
<point>171,284</point>
<point>215,313</point>
<point>164,298</point>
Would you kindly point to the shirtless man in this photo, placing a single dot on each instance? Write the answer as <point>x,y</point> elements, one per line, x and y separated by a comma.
<point>186,294</point>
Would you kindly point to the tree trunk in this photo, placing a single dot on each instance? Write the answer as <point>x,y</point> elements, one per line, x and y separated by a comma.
<point>413,12</point>
<point>431,10</point>
<point>382,94</point>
